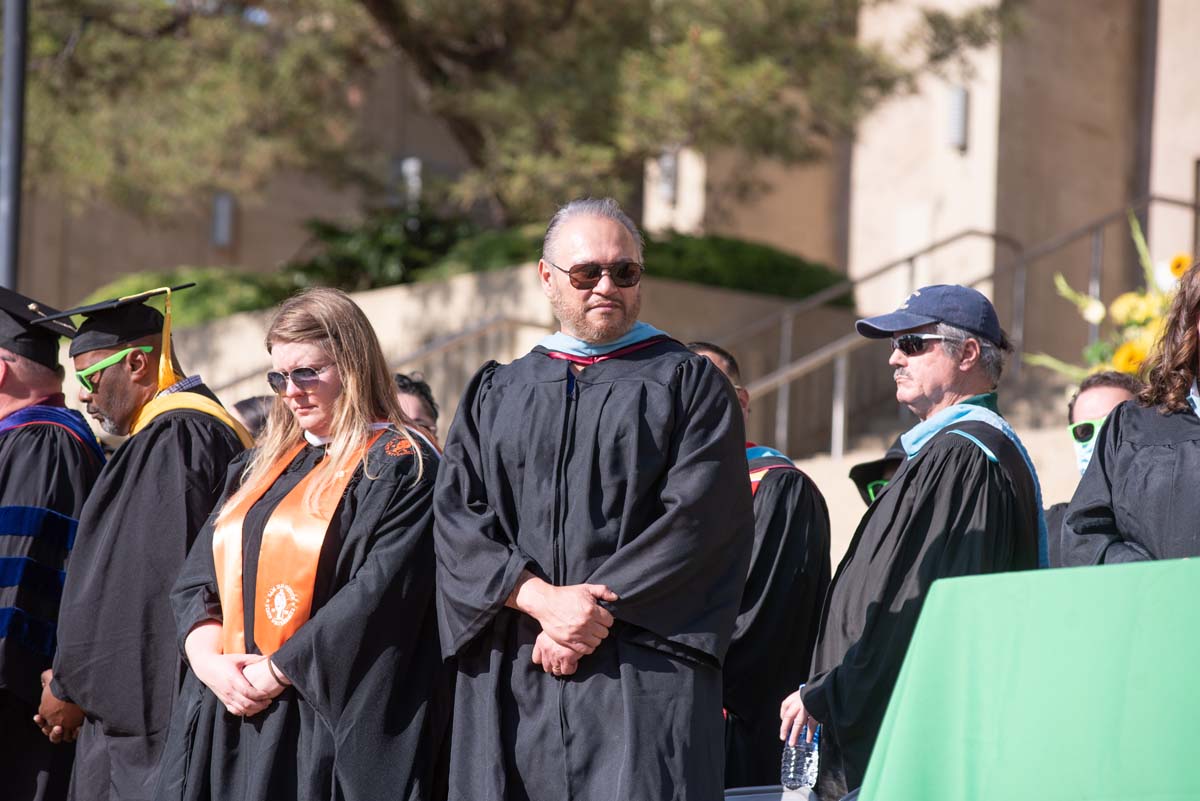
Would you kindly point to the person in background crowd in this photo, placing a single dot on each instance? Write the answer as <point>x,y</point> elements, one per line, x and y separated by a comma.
<point>49,460</point>
<point>777,622</point>
<point>593,532</point>
<point>314,664</point>
<point>1096,396</point>
<point>966,500</point>
<point>117,662</point>
<point>253,413</point>
<point>872,477</point>
<point>417,403</point>
<point>1138,499</point>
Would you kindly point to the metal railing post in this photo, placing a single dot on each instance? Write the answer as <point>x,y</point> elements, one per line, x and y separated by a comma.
<point>783,399</point>
<point>1094,279</point>
<point>837,445</point>
<point>1018,319</point>
<point>912,276</point>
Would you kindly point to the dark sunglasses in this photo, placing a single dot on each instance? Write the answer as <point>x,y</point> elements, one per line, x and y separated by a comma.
<point>306,379</point>
<point>585,276</point>
<point>1085,431</point>
<point>914,344</point>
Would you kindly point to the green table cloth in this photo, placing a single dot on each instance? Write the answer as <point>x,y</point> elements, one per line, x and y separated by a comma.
<point>1081,683</point>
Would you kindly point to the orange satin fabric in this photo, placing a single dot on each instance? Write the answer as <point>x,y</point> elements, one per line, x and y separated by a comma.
<point>287,562</point>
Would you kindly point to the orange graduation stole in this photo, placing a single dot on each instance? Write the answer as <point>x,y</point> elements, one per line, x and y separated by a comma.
<point>287,562</point>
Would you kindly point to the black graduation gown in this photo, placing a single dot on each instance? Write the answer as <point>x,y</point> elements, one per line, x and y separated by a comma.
<point>1054,524</point>
<point>1139,497</point>
<point>776,626</point>
<point>949,511</point>
<point>45,476</point>
<point>631,475</point>
<point>117,656</point>
<point>369,702</point>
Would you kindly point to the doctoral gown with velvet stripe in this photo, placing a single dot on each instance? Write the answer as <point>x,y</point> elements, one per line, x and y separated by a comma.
<point>365,718</point>
<point>46,474</point>
<point>952,509</point>
<point>631,475</point>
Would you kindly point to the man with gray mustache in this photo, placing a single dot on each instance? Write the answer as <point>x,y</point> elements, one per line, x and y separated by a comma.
<point>966,500</point>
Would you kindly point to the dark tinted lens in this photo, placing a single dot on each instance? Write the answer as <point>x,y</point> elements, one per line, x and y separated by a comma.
<point>909,344</point>
<point>306,377</point>
<point>626,273</point>
<point>278,382</point>
<point>1084,432</point>
<point>585,276</point>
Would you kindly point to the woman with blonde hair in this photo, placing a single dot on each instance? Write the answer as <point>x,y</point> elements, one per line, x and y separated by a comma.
<point>1138,499</point>
<point>305,608</point>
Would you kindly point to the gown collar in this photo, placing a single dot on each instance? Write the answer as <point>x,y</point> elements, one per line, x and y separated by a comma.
<point>317,441</point>
<point>1193,398</point>
<point>559,342</point>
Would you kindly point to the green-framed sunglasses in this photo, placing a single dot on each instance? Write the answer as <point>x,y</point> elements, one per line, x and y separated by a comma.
<point>83,374</point>
<point>875,487</point>
<point>1085,431</point>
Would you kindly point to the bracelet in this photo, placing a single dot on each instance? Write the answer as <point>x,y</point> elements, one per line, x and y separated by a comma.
<point>275,675</point>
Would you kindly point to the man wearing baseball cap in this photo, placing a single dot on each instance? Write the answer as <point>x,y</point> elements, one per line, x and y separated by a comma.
<point>965,501</point>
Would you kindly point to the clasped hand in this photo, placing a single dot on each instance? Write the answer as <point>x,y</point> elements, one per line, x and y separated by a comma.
<point>572,619</point>
<point>242,682</point>
<point>59,720</point>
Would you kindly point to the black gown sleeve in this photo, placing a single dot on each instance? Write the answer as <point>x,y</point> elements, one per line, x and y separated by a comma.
<point>962,521</point>
<point>1089,533</point>
<point>681,578</point>
<point>477,564</point>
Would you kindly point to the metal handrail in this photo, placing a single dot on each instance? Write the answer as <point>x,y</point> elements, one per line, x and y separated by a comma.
<point>844,286</point>
<point>839,350</point>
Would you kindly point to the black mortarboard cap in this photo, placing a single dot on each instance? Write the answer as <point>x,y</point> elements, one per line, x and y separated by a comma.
<point>20,333</point>
<point>112,323</point>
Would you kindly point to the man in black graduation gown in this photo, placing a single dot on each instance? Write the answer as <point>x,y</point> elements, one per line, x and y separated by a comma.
<point>593,530</point>
<point>966,500</point>
<point>49,460</point>
<point>777,622</point>
<point>117,657</point>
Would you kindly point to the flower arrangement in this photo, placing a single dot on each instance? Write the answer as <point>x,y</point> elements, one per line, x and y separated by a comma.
<point>1137,317</point>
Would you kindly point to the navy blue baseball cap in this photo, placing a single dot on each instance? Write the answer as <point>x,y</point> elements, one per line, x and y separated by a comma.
<point>959,306</point>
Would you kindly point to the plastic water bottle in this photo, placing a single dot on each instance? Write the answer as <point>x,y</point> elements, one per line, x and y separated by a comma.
<point>800,761</point>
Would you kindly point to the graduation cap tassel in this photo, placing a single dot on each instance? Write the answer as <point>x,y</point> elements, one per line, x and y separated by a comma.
<point>166,370</point>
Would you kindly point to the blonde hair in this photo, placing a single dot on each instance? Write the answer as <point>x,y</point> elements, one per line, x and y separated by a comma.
<point>329,319</point>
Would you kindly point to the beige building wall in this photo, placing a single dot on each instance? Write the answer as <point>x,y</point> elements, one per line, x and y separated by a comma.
<point>68,252</point>
<point>1068,151</point>
<point>915,180</point>
<point>1175,153</point>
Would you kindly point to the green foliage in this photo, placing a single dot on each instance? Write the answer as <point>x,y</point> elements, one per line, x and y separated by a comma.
<point>710,260</point>
<point>219,292</point>
<point>736,264</point>
<point>387,248</point>
<point>557,100</point>
<point>147,102</point>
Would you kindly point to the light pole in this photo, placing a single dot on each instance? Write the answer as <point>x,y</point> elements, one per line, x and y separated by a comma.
<point>12,136</point>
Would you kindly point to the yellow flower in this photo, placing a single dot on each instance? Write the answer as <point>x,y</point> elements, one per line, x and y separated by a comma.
<point>1132,308</point>
<point>1129,357</point>
<point>1180,264</point>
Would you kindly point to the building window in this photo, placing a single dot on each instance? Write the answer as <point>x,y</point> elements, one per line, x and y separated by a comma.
<point>958,118</point>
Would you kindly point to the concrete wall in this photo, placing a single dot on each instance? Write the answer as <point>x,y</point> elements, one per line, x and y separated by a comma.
<point>231,356</point>
<point>68,252</point>
<point>910,185</point>
<point>1175,153</point>
<point>1068,147</point>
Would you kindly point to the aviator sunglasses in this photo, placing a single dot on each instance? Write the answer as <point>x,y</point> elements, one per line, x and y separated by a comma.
<point>1085,431</point>
<point>306,379</point>
<point>914,344</point>
<point>585,276</point>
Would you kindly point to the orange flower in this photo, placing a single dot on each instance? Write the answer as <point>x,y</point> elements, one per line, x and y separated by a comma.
<point>1129,357</point>
<point>1180,264</point>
